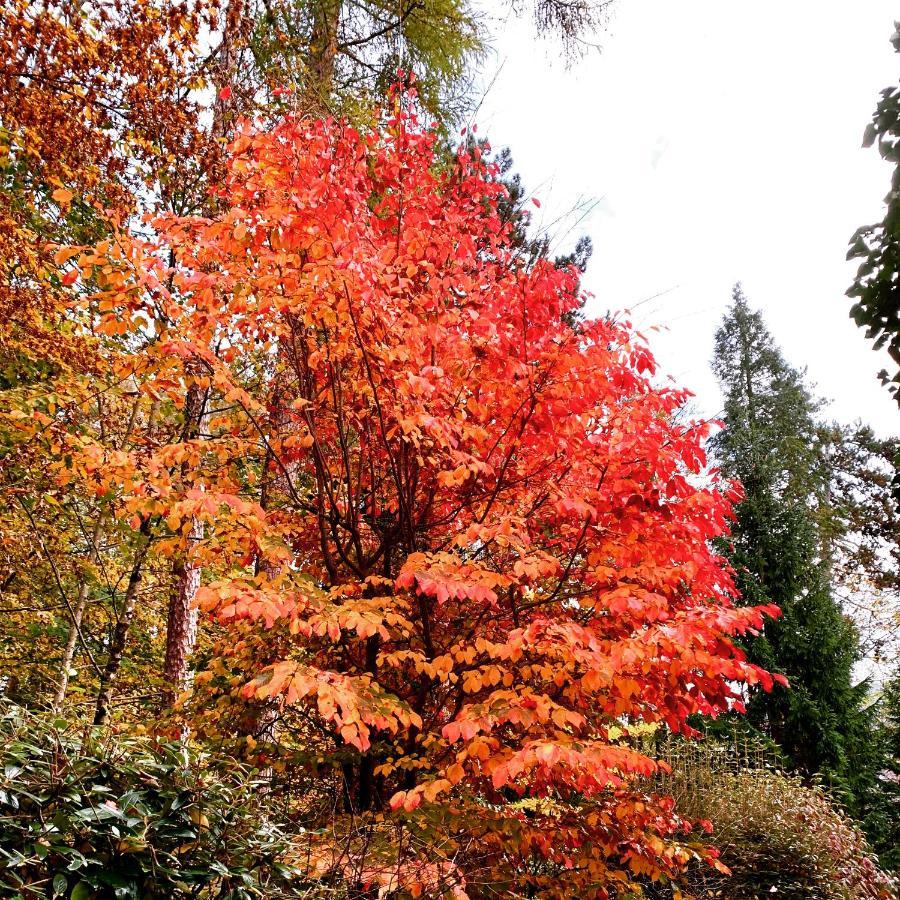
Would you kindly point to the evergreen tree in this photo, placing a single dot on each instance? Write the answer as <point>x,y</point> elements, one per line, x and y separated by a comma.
<point>882,821</point>
<point>774,445</point>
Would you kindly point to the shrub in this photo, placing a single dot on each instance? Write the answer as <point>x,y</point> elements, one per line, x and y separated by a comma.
<point>778,835</point>
<point>88,814</point>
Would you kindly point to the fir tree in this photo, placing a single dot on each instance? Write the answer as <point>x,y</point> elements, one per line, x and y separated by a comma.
<point>774,445</point>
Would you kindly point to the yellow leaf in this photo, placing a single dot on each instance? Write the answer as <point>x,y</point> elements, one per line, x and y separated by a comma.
<point>435,788</point>
<point>64,254</point>
<point>62,196</point>
<point>199,818</point>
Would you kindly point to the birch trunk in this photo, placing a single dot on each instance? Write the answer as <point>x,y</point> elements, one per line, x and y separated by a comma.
<point>181,624</point>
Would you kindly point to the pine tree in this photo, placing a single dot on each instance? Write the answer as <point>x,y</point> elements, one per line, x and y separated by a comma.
<point>774,445</point>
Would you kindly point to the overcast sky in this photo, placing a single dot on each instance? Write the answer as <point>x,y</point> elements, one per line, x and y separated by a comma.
<point>720,141</point>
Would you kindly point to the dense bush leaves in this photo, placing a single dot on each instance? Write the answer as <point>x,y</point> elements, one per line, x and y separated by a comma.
<point>778,836</point>
<point>84,814</point>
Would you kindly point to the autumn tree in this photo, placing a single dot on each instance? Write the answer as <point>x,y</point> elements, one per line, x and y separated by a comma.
<point>109,110</point>
<point>484,551</point>
<point>102,113</point>
<point>99,118</point>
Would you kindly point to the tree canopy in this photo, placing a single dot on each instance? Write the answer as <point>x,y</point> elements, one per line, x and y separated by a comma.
<point>476,537</point>
<point>344,553</point>
<point>773,443</point>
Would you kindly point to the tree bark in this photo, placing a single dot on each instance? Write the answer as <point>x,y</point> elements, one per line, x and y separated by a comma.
<point>181,621</point>
<point>323,47</point>
<point>181,626</point>
<point>225,108</point>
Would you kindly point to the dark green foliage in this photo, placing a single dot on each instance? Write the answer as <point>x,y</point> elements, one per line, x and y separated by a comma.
<point>770,414</point>
<point>880,803</point>
<point>86,814</point>
<point>774,445</point>
<point>876,288</point>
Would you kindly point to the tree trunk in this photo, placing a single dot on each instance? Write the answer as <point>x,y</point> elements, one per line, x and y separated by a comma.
<point>264,723</point>
<point>181,627</point>
<point>75,627</point>
<point>323,47</point>
<point>120,633</point>
<point>181,622</point>
<point>225,107</point>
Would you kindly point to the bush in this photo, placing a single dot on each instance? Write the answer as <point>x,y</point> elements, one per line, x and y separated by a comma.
<point>88,815</point>
<point>778,835</point>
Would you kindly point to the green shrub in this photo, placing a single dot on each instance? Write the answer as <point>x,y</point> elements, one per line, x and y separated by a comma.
<point>88,815</point>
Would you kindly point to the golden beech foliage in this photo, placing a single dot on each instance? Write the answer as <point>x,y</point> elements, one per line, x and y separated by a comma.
<point>102,114</point>
<point>98,108</point>
<point>464,541</point>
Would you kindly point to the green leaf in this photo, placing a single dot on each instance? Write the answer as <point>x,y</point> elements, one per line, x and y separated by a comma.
<point>59,885</point>
<point>82,891</point>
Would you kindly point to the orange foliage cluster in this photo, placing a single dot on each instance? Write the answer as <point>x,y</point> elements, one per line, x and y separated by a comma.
<point>98,113</point>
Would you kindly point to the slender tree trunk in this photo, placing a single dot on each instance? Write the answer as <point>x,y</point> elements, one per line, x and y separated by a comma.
<point>366,793</point>
<point>226,106</point>
<point>93,557</point>
<point>120,633</point>
<point>265,722</point>
<point>181,626</point>
<point>181,621</point>
<point>78,614</point>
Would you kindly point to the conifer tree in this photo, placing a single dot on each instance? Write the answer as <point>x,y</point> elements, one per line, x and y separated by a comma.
<point>774,445</point>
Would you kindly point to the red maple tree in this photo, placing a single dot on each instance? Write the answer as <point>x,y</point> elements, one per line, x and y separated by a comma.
<point>473,527</point>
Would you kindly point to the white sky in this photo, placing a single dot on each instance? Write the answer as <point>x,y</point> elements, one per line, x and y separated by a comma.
<point>722,141</point>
